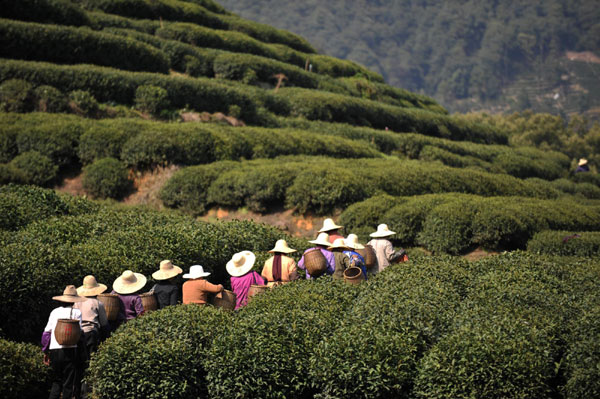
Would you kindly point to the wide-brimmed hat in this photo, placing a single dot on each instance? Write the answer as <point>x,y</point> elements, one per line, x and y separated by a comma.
<point>240,263</point>
<point>166,271</point>
<point>90,287</point>
<point>352,242</point>
<point>329,225</point>
<point>339,243</point>
<point>382,231</point>
<point>322,239</point>
<point>582,161</point>
<point>129,282</point>
<point>70,295</point>
<point>196,271</point>
<point>282,246</point>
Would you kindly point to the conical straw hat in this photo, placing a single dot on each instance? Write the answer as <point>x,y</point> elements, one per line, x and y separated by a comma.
<point>129,282</point>
<point>166,271</point>
<point>352,242</point>
<point>339,243</point>
<point>240,263</point>
<point>90,287</point>
<point>382,231</point>
<point>582,161</point>
<point>70,295</point>
<point>282,246</point>
<point>322,239</point>
<point>329,225</point>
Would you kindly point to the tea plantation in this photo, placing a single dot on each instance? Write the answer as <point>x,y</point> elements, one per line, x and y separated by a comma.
<point>253,117</point>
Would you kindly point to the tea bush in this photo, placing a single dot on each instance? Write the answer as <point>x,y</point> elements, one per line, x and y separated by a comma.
<point>56,140</point>
<point>101,141</point>
<point>49,99</point>
<point>373,354</point>
<point>69,45</point>
<point>361,178</point>
<point>106,178</point>
<point>34,168</point>
<point>273,338</point>
<point>565,243</point>
<point>23,375</point>
<point>10,174</point>
<point>15,95</point>
<point>28,204</point>
<point>159,355</point>
<point>60,12</point>
<point>455,222</point>
<point>151,99</point>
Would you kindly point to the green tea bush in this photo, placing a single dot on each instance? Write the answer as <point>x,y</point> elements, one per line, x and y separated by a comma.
<point>27,204</point>
<point>273,338</point>
<point>583,377</point>
<point>373,354</point>
<point>84,102</point>
<point>56,140</point>
<point>159,355</point>
<point>23,373</point>
<point>15,95</point>
<point>565,243</point>
<point>60,12</point>
<point>330,107</point>
<point>10,174</point>
<point>106,178</point>
<point>101,142</point>
<point>35,168</point>
<point>454,222</point>
<point>49,99</point>
<point>8,143</point>
<point>107,84</point>
<point>586,177</point>
<point>151,99</point>
<point>69,45</point>
<point>101,20</point>
<point>151,148</point>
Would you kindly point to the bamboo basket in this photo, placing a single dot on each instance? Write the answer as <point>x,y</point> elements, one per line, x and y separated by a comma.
<point>149,301</point>
<point>315,262</point>
<point>111,305</point>
<point>67,332</point>
<point>353,275</point>
<point>224,299</point>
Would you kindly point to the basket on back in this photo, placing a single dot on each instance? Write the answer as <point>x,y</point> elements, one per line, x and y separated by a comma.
<point>257,289</point>
<point>315,262</point>
<point>368,253</point>
<point>67,331</point>
<point>149,301</point>
<point>353,275</point>
<point>224,299</point>
<point>111,305</point>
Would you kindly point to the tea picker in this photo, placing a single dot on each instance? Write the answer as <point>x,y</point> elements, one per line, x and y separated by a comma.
<point>384,250</point>
<point>280,267</point>
<point>60,345</point>
<point>318,260</point>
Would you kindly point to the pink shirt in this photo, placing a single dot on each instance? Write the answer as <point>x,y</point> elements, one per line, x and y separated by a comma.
<point>241,285</point>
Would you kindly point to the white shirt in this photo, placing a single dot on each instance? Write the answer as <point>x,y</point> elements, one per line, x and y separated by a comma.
<point>61,313</point>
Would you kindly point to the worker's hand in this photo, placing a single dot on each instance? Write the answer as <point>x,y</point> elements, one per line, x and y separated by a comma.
<point>221,288</point>
<point>46,359</point>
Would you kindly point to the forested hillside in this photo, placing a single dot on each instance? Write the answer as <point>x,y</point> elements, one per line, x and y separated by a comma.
<point>468,54</point>
<point>234,116</point>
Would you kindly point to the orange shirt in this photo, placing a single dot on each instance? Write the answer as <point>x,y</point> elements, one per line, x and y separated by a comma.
<point>288,269</point>
<point>197,290</point>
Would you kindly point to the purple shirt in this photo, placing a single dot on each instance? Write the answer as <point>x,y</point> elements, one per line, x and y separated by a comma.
<point>330,261</point>
<point>241,285</point>
<point>130,306</point>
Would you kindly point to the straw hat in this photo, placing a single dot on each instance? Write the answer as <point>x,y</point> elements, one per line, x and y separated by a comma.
<point>196,271</point>
<point>240,263</point>
<point>329,225</point>
<point>382,231</point>
<point>70,295</point>
<point>90,287</point>
<point>352,242</point>
<point>339,243</point>
<point>322,239</point>
<point>129,282</point>
<point>166,271</point>
<point>282,246</point>
<point>582,162</point>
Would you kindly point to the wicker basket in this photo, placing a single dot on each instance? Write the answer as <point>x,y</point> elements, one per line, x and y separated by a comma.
<point>149,301</point>
<point>111,305</point>
<point>368,253</point>
<point>353,275</point>
<point>315,262</point>
<point>67,332</point>
<point>224,299</point>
